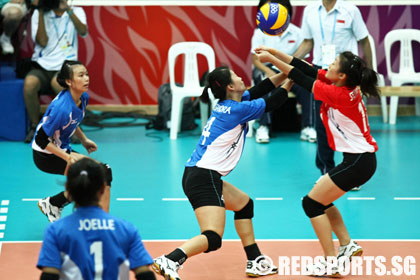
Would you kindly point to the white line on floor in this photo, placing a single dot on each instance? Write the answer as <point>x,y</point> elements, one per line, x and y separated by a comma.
<point>130,199</point>
<point>269,198</point>
<point>30,199</point>
<point>361,198</point>
<point>175,199</point>
<point>406,198</point>
<point>5,202</point>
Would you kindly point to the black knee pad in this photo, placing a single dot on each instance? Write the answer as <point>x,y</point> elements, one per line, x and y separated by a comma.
<point>108,173</point>
<point>312,208</point>
<point>147,275</point>
<point>214,240</point>
<point>247,212</point>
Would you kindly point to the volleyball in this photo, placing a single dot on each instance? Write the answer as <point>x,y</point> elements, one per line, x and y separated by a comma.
<point>273,19</point>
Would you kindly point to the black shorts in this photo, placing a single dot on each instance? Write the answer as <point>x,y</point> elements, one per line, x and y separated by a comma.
<point>203,187</point>
<point>50,163</point>
<point>44,76</point>
<point>354,171</point>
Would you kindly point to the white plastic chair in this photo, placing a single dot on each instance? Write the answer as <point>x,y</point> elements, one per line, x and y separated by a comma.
<point>381,79</point>
<point>407,72</point>
<point>191,85</point>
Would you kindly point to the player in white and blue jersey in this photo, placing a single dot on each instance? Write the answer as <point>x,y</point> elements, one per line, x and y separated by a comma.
<point>90,243</point>
<point>216,154</point>
<point>52,152</point>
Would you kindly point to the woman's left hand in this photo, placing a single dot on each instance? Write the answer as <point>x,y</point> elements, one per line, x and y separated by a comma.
<point>89,145</point>
<point>264,56</point>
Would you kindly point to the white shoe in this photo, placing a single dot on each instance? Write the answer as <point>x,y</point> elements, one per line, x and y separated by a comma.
<point>261,266</point>
<point>308,134</point>
<point>6,45</point>
<point>350,250</point>
<point>322,269</point>
<point>166,267</point>
<point>261,135</point>
<point>356,188</point>
<point>52,212</point>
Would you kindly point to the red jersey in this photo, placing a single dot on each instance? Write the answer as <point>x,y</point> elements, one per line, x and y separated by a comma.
<point>344,117</point>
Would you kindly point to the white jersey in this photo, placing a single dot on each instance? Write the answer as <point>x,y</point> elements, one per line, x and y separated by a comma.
<point>222,141</point>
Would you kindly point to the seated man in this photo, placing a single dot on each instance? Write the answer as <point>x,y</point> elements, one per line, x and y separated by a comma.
<point>54,31</point>
<point>287,42</point>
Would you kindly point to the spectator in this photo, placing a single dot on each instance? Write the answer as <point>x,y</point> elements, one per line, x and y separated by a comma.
<point>287,42</point>
<point>331,27</point>
<point>12,12</point>
<point>54,31</point>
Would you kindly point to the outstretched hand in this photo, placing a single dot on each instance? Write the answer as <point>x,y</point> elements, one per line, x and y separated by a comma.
<point>261,48</point>
<point>89,145</point>
<point>264,56</point>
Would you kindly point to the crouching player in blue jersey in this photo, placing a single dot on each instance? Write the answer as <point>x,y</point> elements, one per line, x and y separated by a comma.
<point>90,243</point>
<point>216,155</point>
<point>52,152</point>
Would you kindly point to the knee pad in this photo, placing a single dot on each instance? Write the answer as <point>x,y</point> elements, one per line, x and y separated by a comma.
<point>108,173</point>
<point>312,208</point>
<point>247,212</point>
<point>214,240</point>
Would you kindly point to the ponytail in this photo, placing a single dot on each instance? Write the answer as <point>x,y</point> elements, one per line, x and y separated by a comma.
<point>205,95</point>
<point>358,74</point>
<point>369,82</point>
<point>217,80</point>
<point>85,178</point>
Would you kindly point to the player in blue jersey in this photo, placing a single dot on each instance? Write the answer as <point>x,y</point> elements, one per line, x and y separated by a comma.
<point>90,243</point>
<point>52,152</point>
<point>216,155</point>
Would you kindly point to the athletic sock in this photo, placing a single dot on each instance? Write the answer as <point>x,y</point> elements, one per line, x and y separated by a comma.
<point>252,251</point>
<point>178,255</point>
<point>59,200</point>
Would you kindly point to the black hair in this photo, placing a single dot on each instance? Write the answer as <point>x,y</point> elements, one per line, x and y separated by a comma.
<point>285,3</point>
<point>66,72</point>
<point>85,178</point>
<point>217,80</point>
<point>358,74</point>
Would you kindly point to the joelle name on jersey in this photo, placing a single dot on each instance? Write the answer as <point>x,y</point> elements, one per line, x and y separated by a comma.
<point>96,224</point>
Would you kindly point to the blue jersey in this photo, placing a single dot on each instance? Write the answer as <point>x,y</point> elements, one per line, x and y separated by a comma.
<point>61,120</point>
<point>223,138</point>
<point>92,244</point>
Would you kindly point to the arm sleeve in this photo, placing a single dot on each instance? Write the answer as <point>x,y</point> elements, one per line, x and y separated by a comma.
<point>41,139</point>
<point>50,254</point>
<point>80,13</point>
<point>261,89</point>
<point>304,67</point>
<point>306,29</point>
<point>137,255</point>
<point>327,93</point>
<point>301,79</point>
<point>277,99</point>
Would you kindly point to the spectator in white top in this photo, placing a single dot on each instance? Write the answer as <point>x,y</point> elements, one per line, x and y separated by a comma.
<point>287,42</point>
<point>12,12</point>
<point>331,27</point>
<point>55,26</point>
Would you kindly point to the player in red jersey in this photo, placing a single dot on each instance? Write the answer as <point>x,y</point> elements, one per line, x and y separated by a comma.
<point>344,116</point>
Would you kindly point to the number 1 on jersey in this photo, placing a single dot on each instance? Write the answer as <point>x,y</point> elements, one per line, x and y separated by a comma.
<point>206,130</point>
<point>96,251</point>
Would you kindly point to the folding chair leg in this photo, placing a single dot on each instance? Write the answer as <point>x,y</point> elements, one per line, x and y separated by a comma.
<point>384,109</point>
<point>393,110</point>
<point>176,113</point>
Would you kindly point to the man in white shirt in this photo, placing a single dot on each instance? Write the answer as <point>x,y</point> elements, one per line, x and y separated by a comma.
<point>331,27</point>
<point>54,32</point>
<point>287,42</point>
